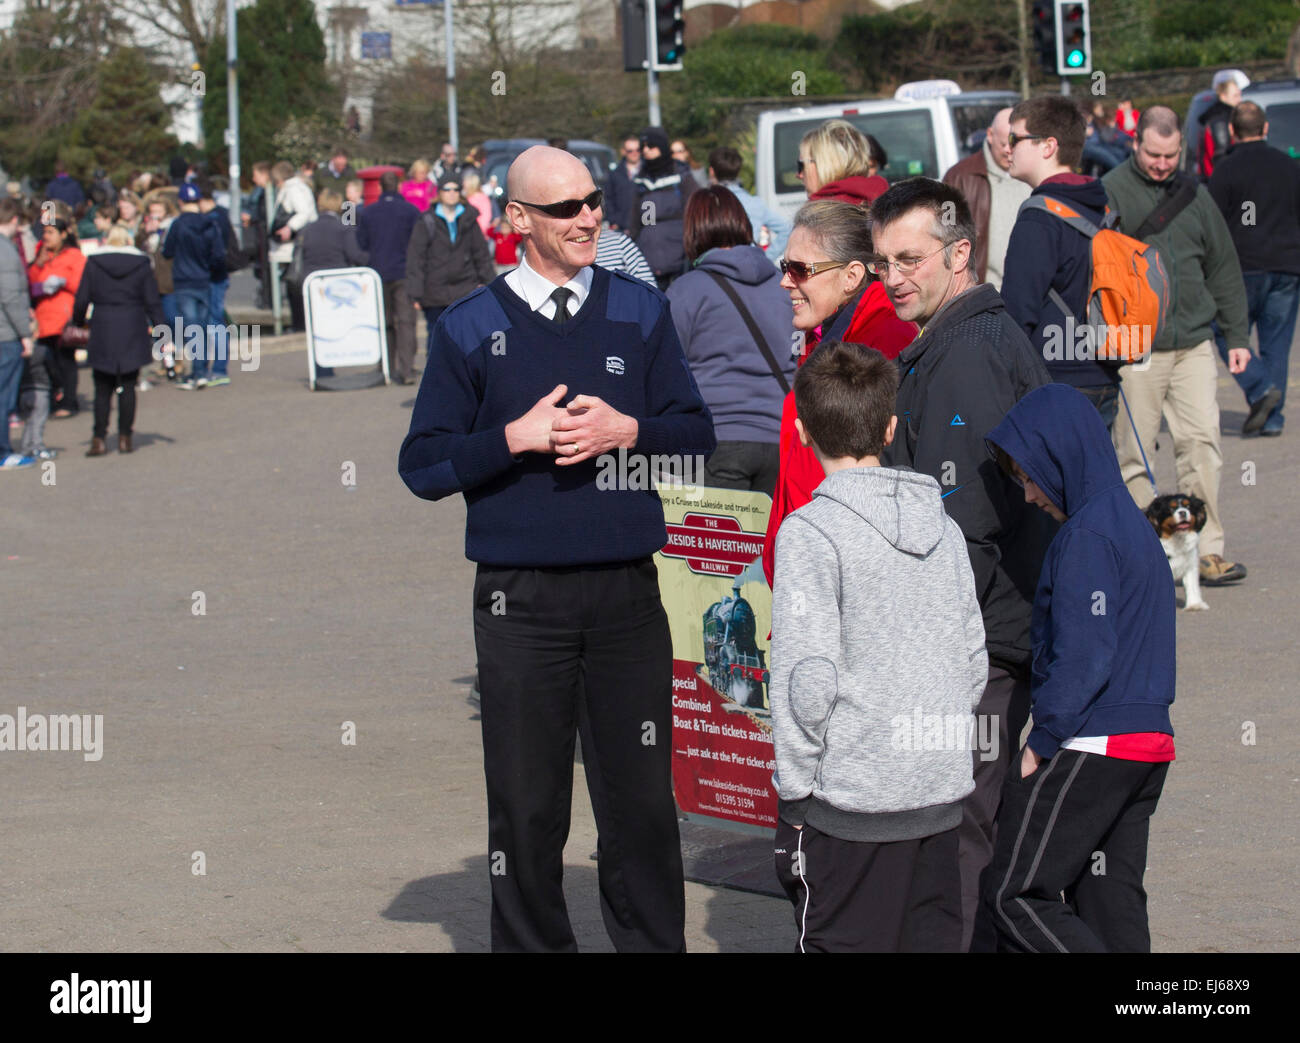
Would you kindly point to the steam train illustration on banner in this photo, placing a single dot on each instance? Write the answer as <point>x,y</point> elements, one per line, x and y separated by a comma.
<point>736,667</point>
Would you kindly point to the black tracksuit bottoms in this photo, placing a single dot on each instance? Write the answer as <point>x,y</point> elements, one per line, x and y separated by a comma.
<point>563,651</point>
<point>1077,827</point>
<point>858,896</point>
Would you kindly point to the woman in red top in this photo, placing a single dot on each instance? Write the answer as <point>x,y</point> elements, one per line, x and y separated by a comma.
<point>834,298</point>
<point>837,161</point>
<point>55,276</point>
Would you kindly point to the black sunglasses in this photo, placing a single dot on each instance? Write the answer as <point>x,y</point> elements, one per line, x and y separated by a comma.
<point>1014,139</point>
<point>567,208</point>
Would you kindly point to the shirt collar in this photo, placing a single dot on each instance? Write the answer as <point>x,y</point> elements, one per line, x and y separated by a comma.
<point>536,289</point>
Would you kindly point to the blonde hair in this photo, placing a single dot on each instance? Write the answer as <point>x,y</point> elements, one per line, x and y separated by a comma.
<point>119,235</point>
<point>419,170</point>
<point>126,195</point>
<point>329,200</point>
<point>470,183</point>
<point>839,150</point>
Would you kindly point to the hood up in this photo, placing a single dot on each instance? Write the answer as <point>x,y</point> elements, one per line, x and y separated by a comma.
<point>1059,440</point>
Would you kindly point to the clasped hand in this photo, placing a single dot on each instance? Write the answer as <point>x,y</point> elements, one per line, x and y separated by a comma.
<point>588,426</point>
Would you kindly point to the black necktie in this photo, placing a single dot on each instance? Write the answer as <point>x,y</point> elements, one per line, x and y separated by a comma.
<point>561,299</point>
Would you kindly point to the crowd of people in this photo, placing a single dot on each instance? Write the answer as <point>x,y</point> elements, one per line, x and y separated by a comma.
<point>889,374</point>
<point>934,461</point>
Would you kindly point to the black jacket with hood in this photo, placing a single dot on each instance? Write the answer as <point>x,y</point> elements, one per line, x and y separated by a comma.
<point>957,380</point>
<point>120,284</point>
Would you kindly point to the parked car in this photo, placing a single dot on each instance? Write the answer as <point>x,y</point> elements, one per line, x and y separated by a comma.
<point>1280,101</point>
<point>499,153</point>
<point>925,128</point>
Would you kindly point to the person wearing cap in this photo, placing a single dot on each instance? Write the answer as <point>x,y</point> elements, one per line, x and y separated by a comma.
<point>197,251</point>
<point>655,220</point>
<point>1215,129</point>
<point>545,393</point>
<point>448,255</point>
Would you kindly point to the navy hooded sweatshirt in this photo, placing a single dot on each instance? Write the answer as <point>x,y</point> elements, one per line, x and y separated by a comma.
<point>1044,254</point>
<point>1103,622</point>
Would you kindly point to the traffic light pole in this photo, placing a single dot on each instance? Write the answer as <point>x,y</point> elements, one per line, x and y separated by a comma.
<point>652,59</point>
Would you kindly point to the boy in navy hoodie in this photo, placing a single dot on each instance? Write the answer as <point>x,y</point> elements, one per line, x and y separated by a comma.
<point>1074,818</point>
<point>1048,269</point>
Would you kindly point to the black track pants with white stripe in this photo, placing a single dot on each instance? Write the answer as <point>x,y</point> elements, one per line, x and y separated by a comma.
<point>850,896</point>
<point>1071,851</point>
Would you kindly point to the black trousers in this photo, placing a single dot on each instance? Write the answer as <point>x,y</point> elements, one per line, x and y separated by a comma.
<point>563,650</point>
<point>1003,709</point>
<point>744,465</point>
<point>105,386</point>
<point>399,320</point>
<point>851,896</point>
<point>1077,827</point>
<point>62,364</point>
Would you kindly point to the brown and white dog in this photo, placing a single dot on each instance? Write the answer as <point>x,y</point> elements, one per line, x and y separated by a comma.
<point>1178,520</point>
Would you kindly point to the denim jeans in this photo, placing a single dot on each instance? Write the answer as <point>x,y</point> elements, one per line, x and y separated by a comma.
<point>1105,397</point>
<point>11,371</point>
<point>218,348</point>
<point>1271,301</point>
<point>192,309</point>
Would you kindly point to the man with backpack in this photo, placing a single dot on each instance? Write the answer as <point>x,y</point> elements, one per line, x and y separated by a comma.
<point>1180,378</point>
<point>1048,268</point>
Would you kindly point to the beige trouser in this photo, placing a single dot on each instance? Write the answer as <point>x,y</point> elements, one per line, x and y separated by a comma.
<point>1183,385</point>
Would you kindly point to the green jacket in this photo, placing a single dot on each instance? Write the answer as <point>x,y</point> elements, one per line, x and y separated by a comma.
<point>1204,274</point>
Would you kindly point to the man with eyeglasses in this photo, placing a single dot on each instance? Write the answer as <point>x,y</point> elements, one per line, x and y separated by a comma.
<point>621,191</point>
<point>541,387</point>
<point>969,366</point>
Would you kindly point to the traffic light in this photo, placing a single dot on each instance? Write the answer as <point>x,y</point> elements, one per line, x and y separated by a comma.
<point>1073,38</point>
<point>670,34</point>
<point>634,32</point>
<point>1044,15</point>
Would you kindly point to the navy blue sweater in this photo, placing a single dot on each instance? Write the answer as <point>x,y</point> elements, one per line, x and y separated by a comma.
<point>1103,623</point>
<point>490,360</point>
<point>197,251</point>
<point>1044,254</point>
<point>384,229</point>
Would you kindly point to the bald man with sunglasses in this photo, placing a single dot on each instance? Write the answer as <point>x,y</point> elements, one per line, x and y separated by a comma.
<point>541,387</point>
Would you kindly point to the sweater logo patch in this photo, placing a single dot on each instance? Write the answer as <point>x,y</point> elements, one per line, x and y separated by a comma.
<point>957,421</point>
<point>614,364</point>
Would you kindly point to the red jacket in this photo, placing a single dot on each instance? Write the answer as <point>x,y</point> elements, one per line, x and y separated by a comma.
<point>55,311</point>
<point>874,324</point>
<point>855,189</point>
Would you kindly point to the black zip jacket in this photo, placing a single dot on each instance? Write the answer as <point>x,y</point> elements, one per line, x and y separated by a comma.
<point>957,381</point>
<point>440,272</point>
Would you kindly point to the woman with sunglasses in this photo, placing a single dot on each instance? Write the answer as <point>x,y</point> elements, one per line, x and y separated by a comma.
<point>837,161</point>
<point>655,220</point>
<point>834,298</point>
<point>733,367</point>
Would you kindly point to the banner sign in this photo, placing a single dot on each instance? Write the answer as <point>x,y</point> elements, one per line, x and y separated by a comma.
<point>720,614</point>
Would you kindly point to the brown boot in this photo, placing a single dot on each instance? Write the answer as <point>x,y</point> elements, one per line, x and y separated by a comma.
<point>97,447</point>
<point>124,443</point>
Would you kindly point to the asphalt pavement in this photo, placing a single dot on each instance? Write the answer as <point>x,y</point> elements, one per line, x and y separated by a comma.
<point>236,608</point>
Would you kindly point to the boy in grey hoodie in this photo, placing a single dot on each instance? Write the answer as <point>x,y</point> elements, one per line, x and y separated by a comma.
<point>878,661</point>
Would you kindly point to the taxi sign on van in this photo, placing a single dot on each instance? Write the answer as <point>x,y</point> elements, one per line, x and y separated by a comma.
<point>919,90</point>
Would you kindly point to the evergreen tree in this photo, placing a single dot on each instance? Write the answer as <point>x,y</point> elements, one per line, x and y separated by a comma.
<point>125,127</point>
<point>281,75</point>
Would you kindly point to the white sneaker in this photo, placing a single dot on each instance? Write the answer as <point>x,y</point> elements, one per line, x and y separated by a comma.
<point>201,383</point>
<point>14,461</point>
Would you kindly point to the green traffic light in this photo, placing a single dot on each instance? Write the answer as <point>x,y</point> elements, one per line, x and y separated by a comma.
<point>1074,59</point>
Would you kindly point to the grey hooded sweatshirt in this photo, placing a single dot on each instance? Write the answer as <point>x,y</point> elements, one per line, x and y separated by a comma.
<point>878,659</point>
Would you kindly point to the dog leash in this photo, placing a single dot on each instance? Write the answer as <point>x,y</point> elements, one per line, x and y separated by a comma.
<point>1155,489</point>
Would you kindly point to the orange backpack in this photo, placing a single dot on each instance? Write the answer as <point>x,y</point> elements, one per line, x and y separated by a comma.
<point>1128,298</point>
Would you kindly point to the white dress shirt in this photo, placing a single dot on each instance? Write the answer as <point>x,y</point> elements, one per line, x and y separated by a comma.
<point>535,290</point>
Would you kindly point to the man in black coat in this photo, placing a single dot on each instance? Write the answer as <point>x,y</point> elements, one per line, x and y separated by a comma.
<point>619,192</point>
<point>384,229</point>
<point>448,254</point>
<point>1257,188</point>
<point>958,379</point>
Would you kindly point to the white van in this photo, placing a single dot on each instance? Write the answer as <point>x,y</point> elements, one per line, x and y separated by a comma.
<point>925,128</point>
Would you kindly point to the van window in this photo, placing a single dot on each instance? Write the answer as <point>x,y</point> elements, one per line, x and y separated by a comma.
<point>971,117</point>
<point>1284,127</point>
<point>907,138</point>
